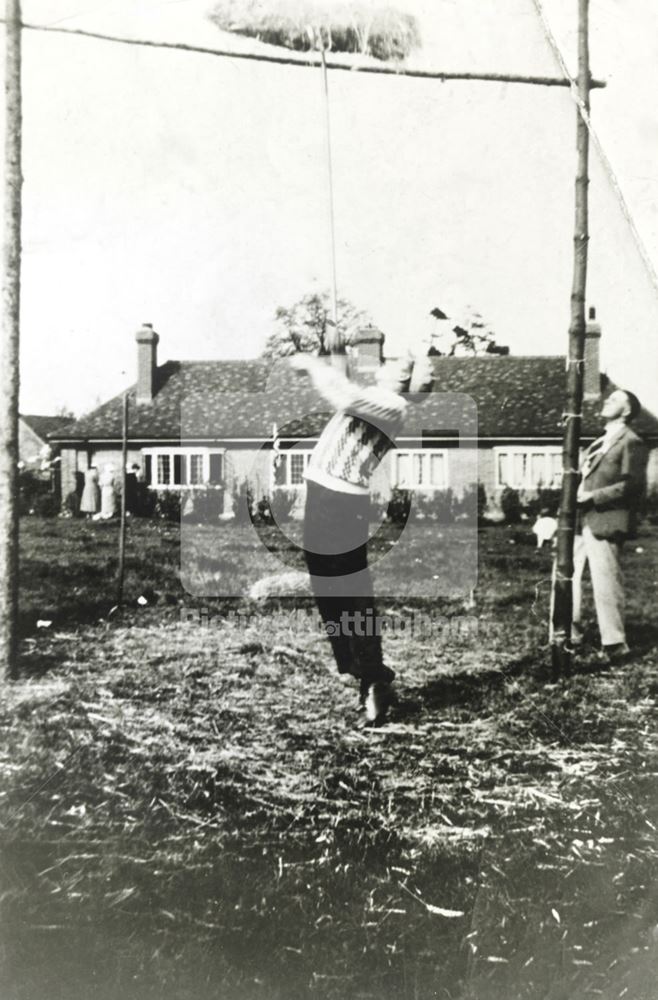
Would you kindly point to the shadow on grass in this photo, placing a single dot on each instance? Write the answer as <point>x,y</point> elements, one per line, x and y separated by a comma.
<point>643,637</point>
<point>472,691</point>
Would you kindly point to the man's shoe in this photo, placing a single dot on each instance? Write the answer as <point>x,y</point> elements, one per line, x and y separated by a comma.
<point>577,638</point>
<point>378,701</point>
<point>614,653</point>
<point>387,677</point>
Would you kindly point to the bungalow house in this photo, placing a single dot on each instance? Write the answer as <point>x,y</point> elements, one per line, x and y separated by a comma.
<point>35,450</point>
<point>492,418</point>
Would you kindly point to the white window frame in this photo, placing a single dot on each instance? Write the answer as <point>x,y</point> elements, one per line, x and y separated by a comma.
<point>186,452</point>
<point>287,485</point>
<point>548,451</point>
<point>429,487</point>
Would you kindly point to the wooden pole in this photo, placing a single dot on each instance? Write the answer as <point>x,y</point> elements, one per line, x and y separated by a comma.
<point>562,596</point>
<point>304,61</point>
<point>334,339</point>
<point>332,222</point>
<point>9,348</point>
<point>122,525</point>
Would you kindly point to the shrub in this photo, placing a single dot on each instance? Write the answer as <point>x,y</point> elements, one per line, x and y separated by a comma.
<point>71,505</point>
<point>399,506</point>
<point>35,495</point>
<point>145,500</point>
<point>545,501</point>
<point>243,503</point>
<point>168,505</point>
<point>378,508</point>
<point>46,505</point>
<point>262,511</point>
<point>482,502</point>
<point>205,504</point>
<point>283,504</point>
<point>510,504</point>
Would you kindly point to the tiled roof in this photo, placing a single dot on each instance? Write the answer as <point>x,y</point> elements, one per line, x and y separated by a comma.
<point>523,396</point>
<point>516,397</point>
<point>43,426</point>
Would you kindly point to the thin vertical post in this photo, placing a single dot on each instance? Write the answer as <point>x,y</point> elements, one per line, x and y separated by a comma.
<point>330,180</point>
<point>9,347</point>
<point>562,596</point>
<point>334,340</point>
<point>122,525</point>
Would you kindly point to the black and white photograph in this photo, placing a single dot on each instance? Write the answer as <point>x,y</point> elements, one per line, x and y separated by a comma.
<point>329,500</point>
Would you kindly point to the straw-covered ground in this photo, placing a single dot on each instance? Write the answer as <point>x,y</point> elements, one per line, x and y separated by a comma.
<point>190,807</point>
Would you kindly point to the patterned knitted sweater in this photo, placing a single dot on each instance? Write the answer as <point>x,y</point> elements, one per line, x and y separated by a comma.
<point>358,436</point>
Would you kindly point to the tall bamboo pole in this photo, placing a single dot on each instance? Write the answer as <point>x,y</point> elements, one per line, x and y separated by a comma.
<point>562,596</point>
<point>122,524</point>
<point>9,369</point>
<point>330,186</point>
<point>334,339</point>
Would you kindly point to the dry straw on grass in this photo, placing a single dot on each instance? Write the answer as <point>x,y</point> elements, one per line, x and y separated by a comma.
<point>383,33</point>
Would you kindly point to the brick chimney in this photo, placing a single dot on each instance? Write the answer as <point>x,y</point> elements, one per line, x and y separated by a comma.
<point>367,349</point>
<point>592,379</point>
<point>147,362</point>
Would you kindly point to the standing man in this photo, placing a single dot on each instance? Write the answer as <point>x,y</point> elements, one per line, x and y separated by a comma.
<point>611,487</point>
<point>336,519</point>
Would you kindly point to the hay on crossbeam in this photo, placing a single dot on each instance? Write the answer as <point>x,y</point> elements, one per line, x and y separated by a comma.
<point>302,25</point>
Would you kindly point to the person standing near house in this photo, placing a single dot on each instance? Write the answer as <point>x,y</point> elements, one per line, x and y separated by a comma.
<point>90,501</point>
<point>108,493</point>
<point>612,484</point>
<point>132,473</point>
<point>336,518</point>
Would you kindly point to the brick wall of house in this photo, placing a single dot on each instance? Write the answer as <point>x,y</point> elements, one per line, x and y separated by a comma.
<point>69,467</point>
<point>254,465</point>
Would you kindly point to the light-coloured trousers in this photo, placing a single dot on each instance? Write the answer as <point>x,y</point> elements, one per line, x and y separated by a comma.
<point>603,556</point>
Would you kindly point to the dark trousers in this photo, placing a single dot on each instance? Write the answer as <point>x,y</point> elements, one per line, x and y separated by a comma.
<point>335,548</point>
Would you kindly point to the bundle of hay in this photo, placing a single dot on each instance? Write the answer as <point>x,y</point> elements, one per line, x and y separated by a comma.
<point>302,25</point>
<point>292,584</point>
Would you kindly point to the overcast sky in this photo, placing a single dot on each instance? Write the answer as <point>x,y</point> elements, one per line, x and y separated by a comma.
<point>190,191</point>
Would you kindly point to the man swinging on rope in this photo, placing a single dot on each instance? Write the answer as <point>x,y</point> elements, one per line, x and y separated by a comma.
<point>336,524</point>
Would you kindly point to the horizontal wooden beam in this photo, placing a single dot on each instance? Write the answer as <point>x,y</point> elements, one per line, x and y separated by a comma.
<point>311,61</point>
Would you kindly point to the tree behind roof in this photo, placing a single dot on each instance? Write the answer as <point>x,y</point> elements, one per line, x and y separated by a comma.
<point>302,327</point>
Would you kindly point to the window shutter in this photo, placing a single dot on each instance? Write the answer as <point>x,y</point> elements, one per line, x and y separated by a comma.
<point>215,477</point>
<point>148,469</point>
<point>178,470</point>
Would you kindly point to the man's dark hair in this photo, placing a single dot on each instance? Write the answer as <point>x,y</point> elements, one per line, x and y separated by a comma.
<point>634,404</point>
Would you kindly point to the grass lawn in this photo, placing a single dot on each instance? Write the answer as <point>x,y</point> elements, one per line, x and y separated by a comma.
<point>191,809</point>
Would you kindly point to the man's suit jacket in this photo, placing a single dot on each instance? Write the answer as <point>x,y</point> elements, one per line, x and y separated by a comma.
<point>616,478</point>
